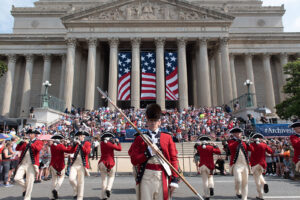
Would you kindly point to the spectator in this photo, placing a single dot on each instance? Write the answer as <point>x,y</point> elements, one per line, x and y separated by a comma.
<point>6,160</point>
<point>220,165</point>
<point>95,146</point>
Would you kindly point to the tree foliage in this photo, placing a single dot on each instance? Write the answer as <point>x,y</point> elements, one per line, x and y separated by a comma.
<point>290,107</point>
<point>3,68</point>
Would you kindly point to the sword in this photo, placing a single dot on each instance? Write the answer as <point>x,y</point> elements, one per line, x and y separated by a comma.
<point>149,143</point>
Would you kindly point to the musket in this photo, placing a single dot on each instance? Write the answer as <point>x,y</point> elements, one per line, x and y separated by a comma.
<point>150,144</point>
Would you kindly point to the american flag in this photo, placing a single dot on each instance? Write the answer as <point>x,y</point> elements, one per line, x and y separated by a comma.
<point>171,76</point>
<point>124,76</point>
<point>148,67</point>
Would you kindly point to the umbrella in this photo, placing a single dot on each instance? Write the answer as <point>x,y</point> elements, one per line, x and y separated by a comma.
<point>3,136</point>
<point>45,137</point>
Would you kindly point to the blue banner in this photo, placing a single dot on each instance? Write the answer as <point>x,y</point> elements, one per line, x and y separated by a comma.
<point>130,132</point>
<point>274,130</point>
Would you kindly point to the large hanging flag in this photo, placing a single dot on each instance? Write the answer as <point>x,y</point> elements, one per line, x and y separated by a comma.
<point>148,67</point>
<point>124,76</point>
<point>171,76</point>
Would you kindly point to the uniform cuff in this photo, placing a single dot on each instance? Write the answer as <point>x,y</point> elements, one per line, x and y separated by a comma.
<point>175,185</point>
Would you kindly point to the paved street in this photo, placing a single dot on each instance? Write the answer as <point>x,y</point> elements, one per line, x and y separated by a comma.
<point>124,189</point>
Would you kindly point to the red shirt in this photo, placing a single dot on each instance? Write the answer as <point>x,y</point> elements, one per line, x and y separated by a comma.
<point>107,153</point>
<point>58,156</point>
<point>207,155</point>
<point>86,148</point>
<point>233,145</point>
<point>258,154</point>
<point>295,140</point>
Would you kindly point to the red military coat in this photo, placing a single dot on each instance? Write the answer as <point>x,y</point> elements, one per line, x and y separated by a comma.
<point>233,146</point>
<point>138,155</point>
<point>207,155</point>
<point>36,147</point>
<point>258,154</point>
<point>295,140</point>
<point>86,148</point>
<point>58,156</point>
<point>107,153</point>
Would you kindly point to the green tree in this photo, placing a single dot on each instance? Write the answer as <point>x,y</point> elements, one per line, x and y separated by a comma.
<point>290,107</point>
<point>3,68</point>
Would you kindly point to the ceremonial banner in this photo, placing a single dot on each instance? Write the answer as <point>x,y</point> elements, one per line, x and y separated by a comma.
<point>148,68</point>
<point>124,76</point>
<point>171,76</point>
<point>274,129</point>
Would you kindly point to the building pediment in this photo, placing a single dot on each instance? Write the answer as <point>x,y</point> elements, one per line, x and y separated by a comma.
<point>146,11</point>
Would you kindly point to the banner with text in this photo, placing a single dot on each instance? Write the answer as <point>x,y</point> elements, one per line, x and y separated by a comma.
<point>274,130</point>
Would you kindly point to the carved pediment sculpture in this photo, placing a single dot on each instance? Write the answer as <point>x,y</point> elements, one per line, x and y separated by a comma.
<point>148,10</point>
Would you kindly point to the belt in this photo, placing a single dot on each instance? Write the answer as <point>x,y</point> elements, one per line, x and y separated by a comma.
<point>158,167</point>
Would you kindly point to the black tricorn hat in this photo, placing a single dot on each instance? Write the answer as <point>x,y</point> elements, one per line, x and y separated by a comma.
<point>57,137</point>
<point>30,131</point>
<point>82,133</point>
<point>257,135</point>
<point>204,138</point>
<point>107,134</point>
<point>236,130</point>
<point>153,111</point>
<point>295,124</point>
<point>37,132</point>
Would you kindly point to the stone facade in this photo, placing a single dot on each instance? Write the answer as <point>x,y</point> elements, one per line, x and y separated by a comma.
<point>74,44</point>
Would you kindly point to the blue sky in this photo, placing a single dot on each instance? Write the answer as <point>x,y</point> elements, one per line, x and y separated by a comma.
<point>291,19</point>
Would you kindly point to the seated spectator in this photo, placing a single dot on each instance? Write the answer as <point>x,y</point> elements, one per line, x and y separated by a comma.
<point>220,165</point>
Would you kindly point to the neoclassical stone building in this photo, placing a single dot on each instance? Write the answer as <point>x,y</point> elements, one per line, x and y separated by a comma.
<point>75,43</point>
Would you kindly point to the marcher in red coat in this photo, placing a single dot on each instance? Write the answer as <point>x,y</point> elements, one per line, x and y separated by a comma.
<point>80,165</point>
<point>155,180</point>
<point>239,162</point>
<point>295,140</point>
<point>106,164</point>
<point>57,164</point>
<point>206,152</point>
<point>258,163</point>
<point>29,162</point>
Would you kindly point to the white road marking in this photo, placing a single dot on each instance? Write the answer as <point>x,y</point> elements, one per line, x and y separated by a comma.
<point>281,197</point>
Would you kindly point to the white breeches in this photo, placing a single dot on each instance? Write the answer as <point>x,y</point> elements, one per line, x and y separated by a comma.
<point>240,173</point>
<point>259,179</point>
<point>57,180</point>
<point>107,178</point>
<point>207,179</point>
<point>27,185</point>
<point>76,179</point>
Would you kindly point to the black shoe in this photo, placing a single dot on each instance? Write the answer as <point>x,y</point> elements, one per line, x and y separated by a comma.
<point>266,188</point>
<point>259,198</point>
<point>75,197</point>
<point>206,198</point>
<point>55,194</point>
<point>108,193</point>
<point>239,196</point>
<point>211,190</point>
<point>23,194</point>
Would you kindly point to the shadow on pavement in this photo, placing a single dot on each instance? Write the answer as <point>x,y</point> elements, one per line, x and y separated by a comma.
<point>123,191</point>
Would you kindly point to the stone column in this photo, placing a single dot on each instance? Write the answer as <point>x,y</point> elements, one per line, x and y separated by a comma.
<point>160,73</point>
<point>194,77</point>
<point>62,76</point>
<point>213,81</point>
<point>282,77</point>
<point>182,74</point>
<point>233,77</point>
<point>69,79</point>
<point>135,73</point>
<point>113,71</point>
<point>219,77</point>
<point>269,89</point>
<point>250,75</point>
<point>9,83</point>
<point>46,72</point>
<point>91,75</point>
<point>27,86</point>
<point>203,74</point>
<point>227,84</point>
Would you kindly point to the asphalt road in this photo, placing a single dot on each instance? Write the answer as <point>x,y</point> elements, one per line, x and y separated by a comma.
<point>124,189</point>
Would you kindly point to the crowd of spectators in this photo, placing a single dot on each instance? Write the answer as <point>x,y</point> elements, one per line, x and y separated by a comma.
<point>185,125</point>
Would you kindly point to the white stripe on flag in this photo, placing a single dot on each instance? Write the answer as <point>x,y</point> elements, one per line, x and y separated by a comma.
<point>172,80</point>
<point>148,82</point>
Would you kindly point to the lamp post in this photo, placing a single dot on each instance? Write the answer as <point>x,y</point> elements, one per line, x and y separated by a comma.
<point>249,98</point>
<point>47,84</point>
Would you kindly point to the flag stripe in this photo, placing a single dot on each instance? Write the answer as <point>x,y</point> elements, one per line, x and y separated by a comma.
<point>148,68</point>
<point>124,64</point>
<point>171,75</point>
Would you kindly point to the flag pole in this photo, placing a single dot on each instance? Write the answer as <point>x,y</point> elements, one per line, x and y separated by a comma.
<point>153,146</point>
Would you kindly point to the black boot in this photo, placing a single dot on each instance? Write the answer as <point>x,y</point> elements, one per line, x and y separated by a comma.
<point>266,188</point>
<point>55,194</point>
<point>206,198</point>
<point>75,197</point>
<point>108,193</point>
<point>259,198</point>
<point>239,196</point>
<point>23,194</point>
<point>211,190</point>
